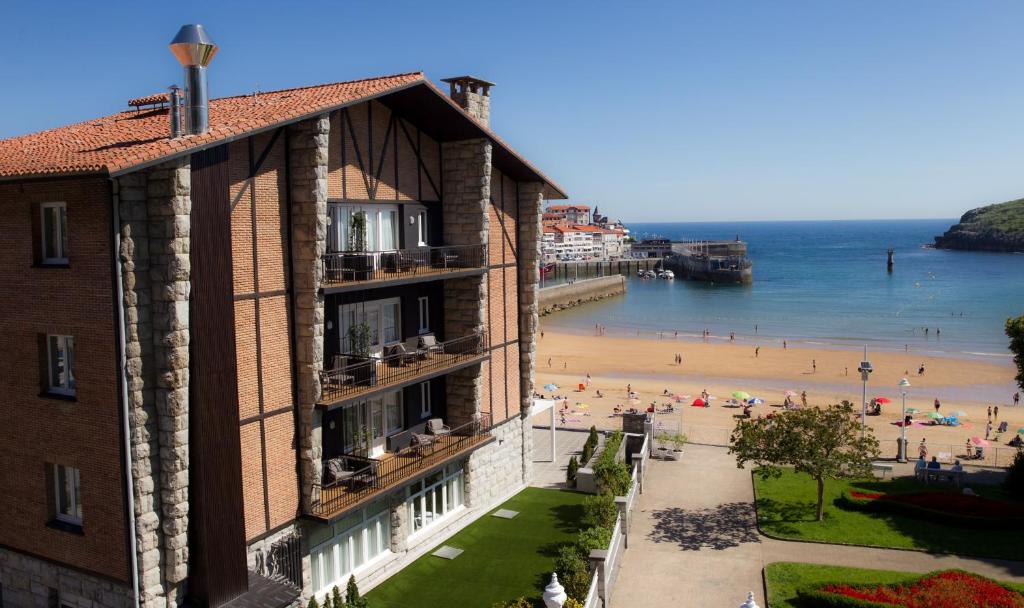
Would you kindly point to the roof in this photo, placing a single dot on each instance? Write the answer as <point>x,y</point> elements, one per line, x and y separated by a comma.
<point>130,140</point>
<point>553,208</point>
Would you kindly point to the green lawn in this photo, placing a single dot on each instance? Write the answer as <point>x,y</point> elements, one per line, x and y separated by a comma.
<point>503,558</point>
<point>785,509</point>
<point>785,578</point>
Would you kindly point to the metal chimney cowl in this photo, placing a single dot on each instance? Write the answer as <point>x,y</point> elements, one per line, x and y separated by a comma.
<point>194,49</point>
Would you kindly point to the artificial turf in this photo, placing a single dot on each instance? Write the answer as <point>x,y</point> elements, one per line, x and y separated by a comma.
<point>785,578</point>
<point>503,559</point>
<point>786,509</point>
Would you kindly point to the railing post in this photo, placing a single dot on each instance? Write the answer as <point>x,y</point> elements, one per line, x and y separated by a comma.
<point>598,559</point>
<point>638,462</point>
<point>621,503</point>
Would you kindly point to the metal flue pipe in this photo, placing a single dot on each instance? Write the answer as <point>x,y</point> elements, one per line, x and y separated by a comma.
<point>194,49</point>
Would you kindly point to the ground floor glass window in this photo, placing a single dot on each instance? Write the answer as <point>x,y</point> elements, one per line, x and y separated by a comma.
<point>434,497</point>
<point>357,540</point>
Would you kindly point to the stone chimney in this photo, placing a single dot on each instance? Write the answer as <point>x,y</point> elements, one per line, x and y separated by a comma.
<point>474,95</point>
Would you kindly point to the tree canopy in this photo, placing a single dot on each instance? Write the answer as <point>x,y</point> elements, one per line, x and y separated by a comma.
<point>825,443</point>
<point>1015,332</point>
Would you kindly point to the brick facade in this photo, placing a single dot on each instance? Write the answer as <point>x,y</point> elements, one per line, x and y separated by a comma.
<point>39,431</point>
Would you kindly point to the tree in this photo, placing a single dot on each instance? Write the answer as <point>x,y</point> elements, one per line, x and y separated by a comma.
<point>825,443</point>
<point>335,600</point>
<point>352,597</point>
<point>1015,332</point>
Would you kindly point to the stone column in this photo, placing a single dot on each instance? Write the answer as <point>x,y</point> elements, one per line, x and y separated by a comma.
<point>531,203</point>
<point>307,151</point>
<point>169,206</point>
<point>142,414</point>
<point>399,523</point>
<point>155,207</point>
<point>466,175</point>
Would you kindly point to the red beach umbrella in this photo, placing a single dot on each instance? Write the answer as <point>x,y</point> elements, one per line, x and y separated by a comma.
<point>883,400</point>
<point>698,403</point>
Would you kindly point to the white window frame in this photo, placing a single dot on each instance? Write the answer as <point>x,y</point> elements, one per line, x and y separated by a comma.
<point>61,236</point>
<point>450,504</point>
<point>73,513</point>
<point>361,310</point>
<point>423,305</point>
<point>421,228</point>
<point>68,387</point>
<point>340,215</point>
<point>380,522</point>
<point>425,408</point>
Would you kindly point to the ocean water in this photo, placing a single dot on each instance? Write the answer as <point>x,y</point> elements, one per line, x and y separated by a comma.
<point>825,284</point>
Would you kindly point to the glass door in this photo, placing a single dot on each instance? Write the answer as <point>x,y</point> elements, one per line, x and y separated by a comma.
<point>375,409</point>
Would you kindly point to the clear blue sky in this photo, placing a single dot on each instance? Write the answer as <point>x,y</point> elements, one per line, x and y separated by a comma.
<point>678,111</point>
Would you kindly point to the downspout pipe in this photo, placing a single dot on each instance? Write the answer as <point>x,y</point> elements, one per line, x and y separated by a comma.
<point>133,556</point>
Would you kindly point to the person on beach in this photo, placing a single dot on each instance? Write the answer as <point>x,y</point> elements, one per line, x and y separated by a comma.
<point>783,345</point>
<point>732,336</point>
<point>922,449</point>
<point>565,365</point>
<point>704,395</point>
<point>599,395</point>
<point>1016,398</point>
<point>920,369</point>
<point>937,405</point>
<point>988,429</point>
<point>814,366</point>
<point>757,352</point>
<point>803,398</point>
<point>549,361</point>
<point>755,329</point>
<point>995,412</point>
<point>629,389</point>
<point>990,412</point>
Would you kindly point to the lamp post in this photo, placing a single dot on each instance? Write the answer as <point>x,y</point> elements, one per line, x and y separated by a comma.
<point>901,450</point>
<point>865,370</point>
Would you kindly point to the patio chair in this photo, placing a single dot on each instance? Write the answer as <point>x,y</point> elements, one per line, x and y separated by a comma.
<point>422,443</point>
<point>428,342</point>
<point>413,346</point>
<point>336,472</point>
<point>436,427</point>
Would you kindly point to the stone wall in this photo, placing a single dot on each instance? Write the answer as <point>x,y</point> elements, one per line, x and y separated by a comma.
<point>28,582</point>
<point>476,105</point>
<point>531,203</point>
<point>495,468</point>
<point>568,295</point>
<point>155,208</point>
<point>307,145</point>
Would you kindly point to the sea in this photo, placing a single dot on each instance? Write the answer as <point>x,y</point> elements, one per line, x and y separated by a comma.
<point>825,284</point>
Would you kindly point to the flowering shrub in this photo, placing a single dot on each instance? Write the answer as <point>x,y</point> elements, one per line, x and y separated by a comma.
<point>947,589</point>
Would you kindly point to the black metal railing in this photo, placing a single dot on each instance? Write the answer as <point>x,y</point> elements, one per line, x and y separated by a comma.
<point>368,477</point>
<point>354,266</point>
<point>354,376</point>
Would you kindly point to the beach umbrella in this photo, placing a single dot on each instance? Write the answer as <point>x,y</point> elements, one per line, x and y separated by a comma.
<point>912,410</point>
<point>755,401</point>
<point>935,415</point>
<point>789,394</point>
<point>698,403</point>
<point>743,395</point>
<point>882,400</point>
<point>551,386</point>
<point>980,442</point>
<point>959,414</point>
<point>678,398</point>
<point>1020,430</point>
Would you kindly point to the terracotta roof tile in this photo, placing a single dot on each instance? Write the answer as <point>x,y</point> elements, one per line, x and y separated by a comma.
<point>121,141</point>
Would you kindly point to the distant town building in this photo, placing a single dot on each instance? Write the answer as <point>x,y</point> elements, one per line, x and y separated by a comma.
<point>571,232</point>
<point>572,214</point>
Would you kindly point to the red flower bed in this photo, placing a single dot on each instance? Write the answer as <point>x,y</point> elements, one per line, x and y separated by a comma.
<point>949,589</point>
<point>948,502</point>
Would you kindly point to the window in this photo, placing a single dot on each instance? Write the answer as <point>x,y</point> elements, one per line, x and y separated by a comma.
<point>434,497</point>
<point>67,495</point>
<point>425,409</point>
<point>424,306</point>
<point>351,544</point>
<point>381,317</point>
<point>54,235</point>
<point>61,364</point>
<point>380,227</point>
<point>421,228</point>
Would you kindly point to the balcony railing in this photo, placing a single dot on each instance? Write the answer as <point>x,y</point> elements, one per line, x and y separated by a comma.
<point>401,364</point>
<point>343,267</point>
<point>368,477</point>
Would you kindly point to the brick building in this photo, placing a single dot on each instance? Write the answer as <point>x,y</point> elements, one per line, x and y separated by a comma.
<point>259,343</point>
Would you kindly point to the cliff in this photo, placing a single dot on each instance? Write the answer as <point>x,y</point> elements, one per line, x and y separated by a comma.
<point>992,228</point>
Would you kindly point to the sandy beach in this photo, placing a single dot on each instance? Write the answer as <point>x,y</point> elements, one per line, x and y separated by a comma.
<point>827,375</point>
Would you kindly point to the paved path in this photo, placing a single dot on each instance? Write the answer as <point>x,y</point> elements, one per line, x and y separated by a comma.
<point>694,541</point>
<point>548,473</point>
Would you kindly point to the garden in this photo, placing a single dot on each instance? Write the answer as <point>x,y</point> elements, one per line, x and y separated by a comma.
<point>899,514</point>
<point>792,585</point>
<point>502,559</point>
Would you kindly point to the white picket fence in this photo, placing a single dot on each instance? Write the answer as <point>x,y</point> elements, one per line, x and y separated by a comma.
<point>604,565</point>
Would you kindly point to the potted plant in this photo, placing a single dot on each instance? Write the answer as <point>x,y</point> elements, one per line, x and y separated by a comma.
<point>663,440</point>
<point>356,260</point>
<point>677,441</point>
<point>363,370</point>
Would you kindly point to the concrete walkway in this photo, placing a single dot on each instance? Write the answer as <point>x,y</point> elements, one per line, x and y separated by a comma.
<point>694,540</point>
<point>548,472</point>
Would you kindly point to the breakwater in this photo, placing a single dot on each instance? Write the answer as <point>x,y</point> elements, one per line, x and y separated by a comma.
<point>569,295</point>
<point>555,273</point>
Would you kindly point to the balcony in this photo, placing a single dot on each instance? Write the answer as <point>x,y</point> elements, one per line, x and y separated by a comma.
<point>415,360</point>
<point>345,270</point>
<point>360,479</point>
